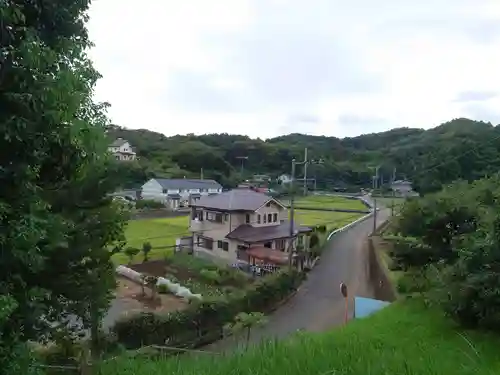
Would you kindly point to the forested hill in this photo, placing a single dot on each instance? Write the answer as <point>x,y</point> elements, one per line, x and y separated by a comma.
<point>461,148</point>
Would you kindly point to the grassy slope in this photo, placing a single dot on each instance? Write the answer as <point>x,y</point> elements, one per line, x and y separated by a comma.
<point>404,338</point>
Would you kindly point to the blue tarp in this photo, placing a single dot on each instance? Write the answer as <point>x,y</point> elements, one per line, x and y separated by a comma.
<point>367,306</point>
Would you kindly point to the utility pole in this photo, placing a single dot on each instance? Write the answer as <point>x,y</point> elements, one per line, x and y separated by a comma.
<point>201,174</point>
<point>305,171</point>
<point>292,218</point>
<point>375,178</point>
<point>242,158</point>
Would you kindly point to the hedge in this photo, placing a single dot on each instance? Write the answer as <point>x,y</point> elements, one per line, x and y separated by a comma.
<point>203,322</point>
<point>148,203</point>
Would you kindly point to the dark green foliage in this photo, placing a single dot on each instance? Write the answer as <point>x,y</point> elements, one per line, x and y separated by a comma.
<point>453,254</point>
<point>459,149</point>
<point>56,222</point>
<point>314,241</point>
<point>148,203</point>
<point>205,320</point>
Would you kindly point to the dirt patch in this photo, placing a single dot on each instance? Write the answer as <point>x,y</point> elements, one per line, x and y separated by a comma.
<point>156,268</point>
<point>131,295</point>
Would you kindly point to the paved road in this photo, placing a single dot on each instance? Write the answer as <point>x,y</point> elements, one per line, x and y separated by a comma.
<point>318,305</point>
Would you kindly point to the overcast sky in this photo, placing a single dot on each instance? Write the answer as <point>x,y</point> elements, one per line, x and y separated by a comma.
<point>271,67</point>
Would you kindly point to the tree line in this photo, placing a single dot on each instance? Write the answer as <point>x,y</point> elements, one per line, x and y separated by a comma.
<point>461,148</point>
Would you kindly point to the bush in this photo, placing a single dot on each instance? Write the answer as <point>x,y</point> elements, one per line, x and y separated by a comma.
<point>148,203</point>
<point>321,228</point>
<point>211,277</point>
<point>192,326</point>
<point>314,241</point>
<point>162,289</point>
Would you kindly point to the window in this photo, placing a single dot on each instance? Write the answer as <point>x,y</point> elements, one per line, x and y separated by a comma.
<point>268,204</point>
<point>226,217</point>
<point>247,218</point>
<point>258,219</point>
<point>269,245</point>
<point>275,218</point>
<point>264,218</point>
<point>280,244</point>
<point>269,218</point>
<point>206,243</point>
<point>165,191</point>
<point>223,245</point>
<point>214,216</point>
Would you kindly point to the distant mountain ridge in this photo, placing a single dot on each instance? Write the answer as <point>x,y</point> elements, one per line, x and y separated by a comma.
<point>461,148</point>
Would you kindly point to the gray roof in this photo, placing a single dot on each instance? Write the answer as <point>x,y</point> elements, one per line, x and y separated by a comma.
<point>250,234</point>
<point>118,142</point>
<point>183,183</point>
<point>234,200</point>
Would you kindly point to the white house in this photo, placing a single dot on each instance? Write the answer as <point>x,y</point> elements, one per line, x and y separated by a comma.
<point>284,179</point>
<point>122,150</point>
<point>176,193</point>
<point>403,188</point>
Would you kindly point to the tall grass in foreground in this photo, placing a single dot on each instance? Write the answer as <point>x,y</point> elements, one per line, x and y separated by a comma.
<point>402,339</point>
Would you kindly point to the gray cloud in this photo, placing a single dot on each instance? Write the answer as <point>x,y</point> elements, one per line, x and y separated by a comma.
<point>471,96</point>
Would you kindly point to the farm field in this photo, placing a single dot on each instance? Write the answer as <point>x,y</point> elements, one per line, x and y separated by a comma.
<point>332,220</point>
<point>322,202</point>
<point>160,233</point>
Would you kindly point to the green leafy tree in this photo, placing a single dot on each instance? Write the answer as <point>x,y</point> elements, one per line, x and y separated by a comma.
<point>244,322</point>
<point>131,252</point>
<point>146,249</point>
<point>56,224</point>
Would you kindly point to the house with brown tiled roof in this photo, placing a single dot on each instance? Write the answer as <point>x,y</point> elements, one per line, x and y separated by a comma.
<point>245,225</point>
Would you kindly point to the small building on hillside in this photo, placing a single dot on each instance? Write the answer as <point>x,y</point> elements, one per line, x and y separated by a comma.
<point>245,226</point>
<point>284,179</point>
<point>122,150</point>
<point>403,188</point>
<point>176,193</point>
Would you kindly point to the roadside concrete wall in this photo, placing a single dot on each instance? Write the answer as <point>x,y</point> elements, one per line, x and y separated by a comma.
<point>378,274</point>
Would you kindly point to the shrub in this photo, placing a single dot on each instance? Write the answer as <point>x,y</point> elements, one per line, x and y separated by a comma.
<point>204,320</point>
<point>211,277</point>
<point>148,203</point>
<point>162,289</point>
<point>320,228</point>
<point>314,241</point>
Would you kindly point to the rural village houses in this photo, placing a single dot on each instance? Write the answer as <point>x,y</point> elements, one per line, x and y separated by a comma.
<point>122,150</point>
<point>244,225</point>
<point>177,193</point>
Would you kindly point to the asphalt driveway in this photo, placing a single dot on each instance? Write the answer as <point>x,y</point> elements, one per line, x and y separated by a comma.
<point>318,304</point>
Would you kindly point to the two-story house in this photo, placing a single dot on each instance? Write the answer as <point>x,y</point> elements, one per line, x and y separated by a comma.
<point>245,225</point>
<point>122,150</point>
<point>175,193</point>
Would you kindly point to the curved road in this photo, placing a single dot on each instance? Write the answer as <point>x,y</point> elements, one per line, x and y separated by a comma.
<point>318,305</point>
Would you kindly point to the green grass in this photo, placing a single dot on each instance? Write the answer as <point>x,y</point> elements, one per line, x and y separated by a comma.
<point>332,220</point>
<point>321,201</point>
<point>160,233</point>
<point>403,339</point>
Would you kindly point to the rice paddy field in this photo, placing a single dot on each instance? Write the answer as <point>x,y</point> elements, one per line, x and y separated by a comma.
<point>331,219</point>
<point>332,202</point>
<point>161,233</point>
<point>405,338</point>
